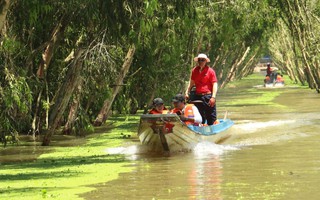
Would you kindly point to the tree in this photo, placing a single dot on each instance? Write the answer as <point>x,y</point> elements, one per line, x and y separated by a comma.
<point>4,6</point>
<point>102,116</point>
<point>301,20</point>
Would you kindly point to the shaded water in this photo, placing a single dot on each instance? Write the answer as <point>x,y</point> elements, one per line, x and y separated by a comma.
<point>273,154</point>
<point>30,150</point>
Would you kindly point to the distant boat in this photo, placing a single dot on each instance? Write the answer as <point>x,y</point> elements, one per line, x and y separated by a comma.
<point>166,132</point>
<point>275,80</point>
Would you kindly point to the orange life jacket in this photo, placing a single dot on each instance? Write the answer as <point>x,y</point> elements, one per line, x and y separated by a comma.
<point>279,78</point>
<point>188,112</point>
<point>154,111</point>
<point>176,110</point>
<point>167,128</point>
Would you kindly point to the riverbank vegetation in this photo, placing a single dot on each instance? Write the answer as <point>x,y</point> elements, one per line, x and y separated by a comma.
<point>72,64</point>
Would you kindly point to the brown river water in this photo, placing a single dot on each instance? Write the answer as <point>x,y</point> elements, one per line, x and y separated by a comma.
<point>273,153</point>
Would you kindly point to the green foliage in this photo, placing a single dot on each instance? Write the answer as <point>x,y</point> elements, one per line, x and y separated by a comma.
<point>82,125</point>
<point>15,105</point>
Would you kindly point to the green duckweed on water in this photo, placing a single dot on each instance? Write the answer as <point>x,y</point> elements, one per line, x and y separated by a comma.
<point>65,172</point>
<point>249,91</point>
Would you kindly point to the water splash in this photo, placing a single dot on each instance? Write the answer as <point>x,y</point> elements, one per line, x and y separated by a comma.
<point>206,148</point>
<point>130,150</point>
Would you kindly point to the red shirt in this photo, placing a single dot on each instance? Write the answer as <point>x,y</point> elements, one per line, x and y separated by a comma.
<point>269,71</point>
<point>204,80</point>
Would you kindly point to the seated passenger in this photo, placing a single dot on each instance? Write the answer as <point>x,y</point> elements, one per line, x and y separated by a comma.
<point>158,107</point>
<point>280,78</point>
<point>267,79</point>
<point>188,113</point>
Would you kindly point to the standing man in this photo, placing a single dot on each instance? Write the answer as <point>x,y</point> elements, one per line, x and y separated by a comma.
<point>204,79</point>
<point>269,70</point>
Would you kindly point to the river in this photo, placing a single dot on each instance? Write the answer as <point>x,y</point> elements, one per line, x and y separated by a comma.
<point>273,153</point>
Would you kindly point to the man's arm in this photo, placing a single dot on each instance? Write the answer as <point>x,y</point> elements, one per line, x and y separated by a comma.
<point>214,94</point>
<point>214,89</point>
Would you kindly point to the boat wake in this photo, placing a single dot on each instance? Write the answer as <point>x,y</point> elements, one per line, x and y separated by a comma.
<point>122,150</point>
<point>251,127</point>
<point>206,148</point>
<point>262,133</point>
<point>202,149</point>
<point>135,151</point>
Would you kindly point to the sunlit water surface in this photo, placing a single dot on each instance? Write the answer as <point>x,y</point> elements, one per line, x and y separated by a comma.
<point>272,154</point>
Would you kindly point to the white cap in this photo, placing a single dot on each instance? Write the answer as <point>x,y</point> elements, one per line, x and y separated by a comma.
<point>201,55</point>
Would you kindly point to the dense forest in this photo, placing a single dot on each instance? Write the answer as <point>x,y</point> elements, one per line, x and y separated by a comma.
<point>66,65</point>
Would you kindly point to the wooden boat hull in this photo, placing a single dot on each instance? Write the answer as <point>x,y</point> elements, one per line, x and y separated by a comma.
<point>168,133</point>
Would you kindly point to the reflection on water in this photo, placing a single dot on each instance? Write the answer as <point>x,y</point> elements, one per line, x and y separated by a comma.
<point>30,150</point>
<point>273,154</point>
<point>196,175</point>
<point>21,153</point>
<point>205,178</point>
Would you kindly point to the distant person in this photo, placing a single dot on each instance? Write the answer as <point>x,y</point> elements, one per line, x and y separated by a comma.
<point>188,113</point>
<point>158,107</point>
<point>204,79</point>
<point>269,70</point>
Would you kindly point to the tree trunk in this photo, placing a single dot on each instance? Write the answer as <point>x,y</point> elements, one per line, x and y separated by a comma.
<point>63,96</point>
<point>103,114</point>
<point>67,129</point>
<point>35,125</point>
<point>289,67</point>
<point>246,70</point>
<point>234,68</point>
<point>47,55</point>
<point>4,6</point>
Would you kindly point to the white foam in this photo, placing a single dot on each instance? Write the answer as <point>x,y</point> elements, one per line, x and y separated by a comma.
<point>208,148</point>
<point>255,126</point>
<point>130,150</point>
